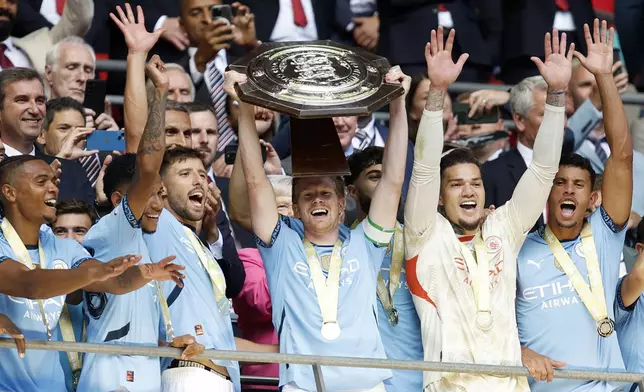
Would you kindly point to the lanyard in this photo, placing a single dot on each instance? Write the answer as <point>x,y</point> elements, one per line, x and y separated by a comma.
<point>65,322</point>
<point>592,296</point>
<point>327,289</point>
<point>214,272</point>
<point>480,277</point>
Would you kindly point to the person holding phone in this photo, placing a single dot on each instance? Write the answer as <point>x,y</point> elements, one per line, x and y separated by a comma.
<point>213,29</point>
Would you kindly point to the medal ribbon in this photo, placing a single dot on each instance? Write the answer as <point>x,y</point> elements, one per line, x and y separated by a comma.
<point>325,289</point>
<point>214,272</point>
<point>479,273</point>
<point>592,296</point>
<point>22,254</point>
<point>165,311</point>
<point>398,251</point>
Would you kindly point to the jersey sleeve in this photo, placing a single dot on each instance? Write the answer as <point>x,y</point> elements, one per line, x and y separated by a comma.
<point>113,230</point>
<point>624,313</point>
<point>609,242</point>
<point>78,254</point>
<point>377,240</point>
<point>273,253</point>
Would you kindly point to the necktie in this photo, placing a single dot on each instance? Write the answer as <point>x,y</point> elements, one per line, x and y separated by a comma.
<point>60,6</point>
<point>92,166</point>
<point>562,5</point>
<point>299,17</point>
<point>599,150</point>
<point>364,139</point>
<point>5,63</point>
<point>218,97</point>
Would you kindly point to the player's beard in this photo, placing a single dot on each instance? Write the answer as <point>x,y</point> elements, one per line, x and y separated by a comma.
<point>566,225</point>
<point>6,26</point>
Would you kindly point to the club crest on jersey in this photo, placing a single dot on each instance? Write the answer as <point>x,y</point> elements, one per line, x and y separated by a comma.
<point>198,329</point>
<point>493,244</point>
<point>59,264</point>
<point>129,376</point>
<point>579,250</point>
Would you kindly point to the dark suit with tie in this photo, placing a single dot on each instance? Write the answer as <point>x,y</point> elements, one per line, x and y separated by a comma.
<point>501,176</point>
<point>29,18</point>
<point>73,180</point>
<point>524,24</point>
<point>405,27</point>
<point>266,12</point>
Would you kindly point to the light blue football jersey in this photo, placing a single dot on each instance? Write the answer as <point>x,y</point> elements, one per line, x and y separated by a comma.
<point>551,318</point>
<point>193,308</point>
<point>296,313</point>
<point>131,319</point>
<point>403,341</point>
<point>630,331</point>
<point>38,370</point>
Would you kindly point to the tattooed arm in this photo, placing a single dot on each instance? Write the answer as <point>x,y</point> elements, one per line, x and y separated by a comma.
<point>531,193</point>
<point>152,145</point>
<point>424,188</point>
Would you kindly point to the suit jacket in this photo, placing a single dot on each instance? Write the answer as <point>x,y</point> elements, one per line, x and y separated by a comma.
<point>29,18</point>
<point>202,95</point>
<point>405,29</point>
<point>75,20</point>
<point>501,176</point>
<point>73,180</point>
<point>266,12</point>
<point>526,21</point>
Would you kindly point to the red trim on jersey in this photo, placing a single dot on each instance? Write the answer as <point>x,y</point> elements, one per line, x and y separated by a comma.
<point>414,285</point>
<point>466,238</point>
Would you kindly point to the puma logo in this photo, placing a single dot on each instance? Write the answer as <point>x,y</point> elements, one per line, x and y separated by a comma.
<point>535,263</point>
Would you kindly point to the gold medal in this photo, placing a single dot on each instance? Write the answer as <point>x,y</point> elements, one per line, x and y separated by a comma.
<point>392,317</point>
<point>605,327</point>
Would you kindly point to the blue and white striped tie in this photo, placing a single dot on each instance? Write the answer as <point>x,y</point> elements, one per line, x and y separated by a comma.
<point>218,96</point>
<point>92,166</point>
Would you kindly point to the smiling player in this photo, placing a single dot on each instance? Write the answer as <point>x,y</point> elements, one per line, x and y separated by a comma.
<point>462,269</point>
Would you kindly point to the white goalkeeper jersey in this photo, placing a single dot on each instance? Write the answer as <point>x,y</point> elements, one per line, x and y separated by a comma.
<point>437,273</point>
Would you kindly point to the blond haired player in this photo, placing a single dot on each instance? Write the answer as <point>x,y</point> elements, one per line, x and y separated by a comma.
<point>462,265</point>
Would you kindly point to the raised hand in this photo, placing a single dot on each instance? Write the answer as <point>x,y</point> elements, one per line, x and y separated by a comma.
<point>155,69</point>
<point>273,164</point>
<point>163,270</point>
<point>71,148</point>
<point>104,271</point>
<point>557,68</point>
<point>190,345</point>
<point>600,49</point>
<point>8,327</point>
<point>137,38</point>
<point>441,68</point>
<point>56,166</point>
<point>244,33</point>
<point>263,119</point>
<point>396,76</point>
<point>213,205</point>
<point>230,79</point>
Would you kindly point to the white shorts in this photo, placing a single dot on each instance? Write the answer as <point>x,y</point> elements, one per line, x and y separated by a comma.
<point>293,388</point>
<point>187,379</point>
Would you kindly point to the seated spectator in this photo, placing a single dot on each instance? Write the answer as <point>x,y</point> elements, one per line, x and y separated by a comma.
<point>69,65</point>
<point>253,304</point>
<point>22,118</point>
<point>37,40</point>
<point>74,218</point>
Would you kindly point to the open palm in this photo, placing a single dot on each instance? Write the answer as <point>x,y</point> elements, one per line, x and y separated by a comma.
<point>600,49</point>
<point>557,69</point>
<point>137,38</point>
<point>441,68</point>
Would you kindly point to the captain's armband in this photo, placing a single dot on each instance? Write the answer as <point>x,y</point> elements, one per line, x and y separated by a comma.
<point>376,234</point>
